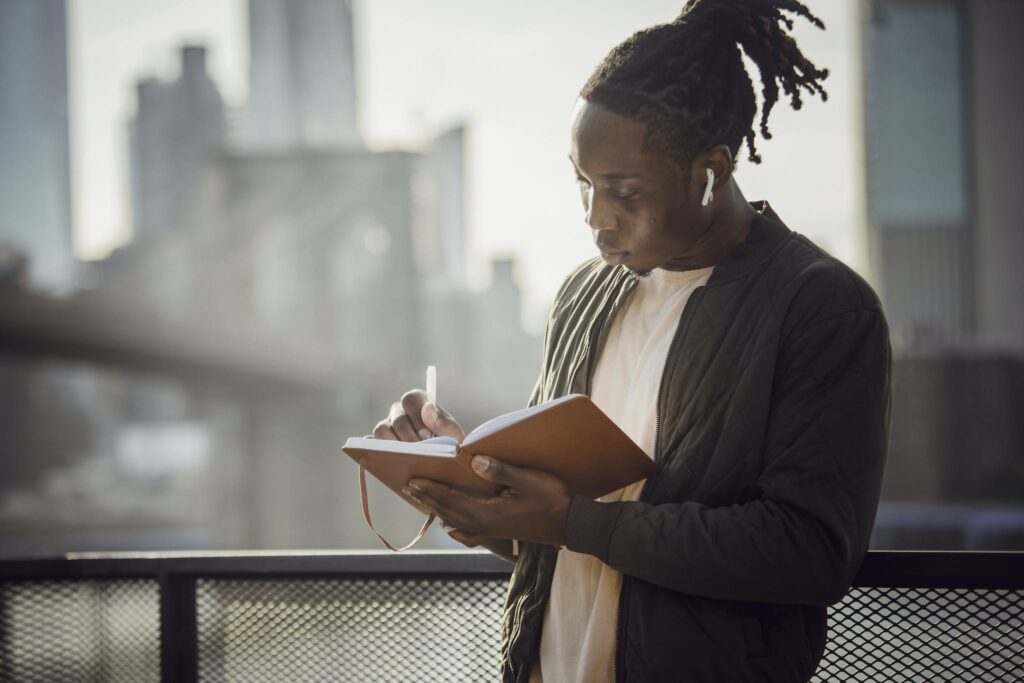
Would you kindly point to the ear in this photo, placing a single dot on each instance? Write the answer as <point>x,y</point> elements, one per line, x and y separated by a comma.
<point>718,159</point>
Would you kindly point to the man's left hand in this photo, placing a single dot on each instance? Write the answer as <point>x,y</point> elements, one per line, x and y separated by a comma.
<point>533,506</point>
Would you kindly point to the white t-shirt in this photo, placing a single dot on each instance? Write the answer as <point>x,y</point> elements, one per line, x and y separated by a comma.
<point>578,637</point>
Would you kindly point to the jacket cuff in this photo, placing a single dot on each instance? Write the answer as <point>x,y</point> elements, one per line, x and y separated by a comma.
<point>589,526</point>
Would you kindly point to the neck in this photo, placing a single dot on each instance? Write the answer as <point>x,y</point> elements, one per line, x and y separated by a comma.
<point>729,226</point>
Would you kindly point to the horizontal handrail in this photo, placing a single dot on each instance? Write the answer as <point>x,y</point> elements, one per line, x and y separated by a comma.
<point>881,568</point>
<point>250,564</point>
<point>942,569</point>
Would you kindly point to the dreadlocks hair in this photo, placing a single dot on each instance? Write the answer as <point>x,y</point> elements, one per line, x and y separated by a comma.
<point>687,82</point>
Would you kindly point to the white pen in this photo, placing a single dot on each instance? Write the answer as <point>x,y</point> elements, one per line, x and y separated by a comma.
<point>431,384</point>
<point>432,398</point>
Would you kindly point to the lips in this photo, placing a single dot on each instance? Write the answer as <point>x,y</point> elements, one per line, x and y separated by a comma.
<point>614,257</point>
<point>610,250</point>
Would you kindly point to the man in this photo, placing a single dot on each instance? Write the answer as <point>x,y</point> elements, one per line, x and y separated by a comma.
<point>752,366</point>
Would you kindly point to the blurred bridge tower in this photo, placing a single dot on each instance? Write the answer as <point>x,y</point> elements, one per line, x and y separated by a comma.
<point>301,75</point>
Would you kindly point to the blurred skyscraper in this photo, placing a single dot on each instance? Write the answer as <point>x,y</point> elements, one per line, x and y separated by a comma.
<point>35,195</point>
<point>177,128</point>
<point>301,75</point>
<point>945,164</point>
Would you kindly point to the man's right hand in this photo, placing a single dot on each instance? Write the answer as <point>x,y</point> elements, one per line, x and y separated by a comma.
<point>414,419</point>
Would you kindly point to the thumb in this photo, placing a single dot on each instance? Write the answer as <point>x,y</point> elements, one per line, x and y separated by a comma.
<point>437,420</point>
<point>502,473</point>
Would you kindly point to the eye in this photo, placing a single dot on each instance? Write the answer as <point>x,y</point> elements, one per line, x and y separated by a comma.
<point>626,195</point>
<point>580,180</point>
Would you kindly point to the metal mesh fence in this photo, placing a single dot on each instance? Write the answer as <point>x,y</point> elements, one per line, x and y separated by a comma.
<point>444,631</point>
<point>359,630</point>
<point>897,635</point>
<point>80,631</point>
<point>441,629</point>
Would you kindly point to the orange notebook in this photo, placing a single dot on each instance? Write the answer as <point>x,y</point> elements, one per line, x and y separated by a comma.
<point>569,437</point>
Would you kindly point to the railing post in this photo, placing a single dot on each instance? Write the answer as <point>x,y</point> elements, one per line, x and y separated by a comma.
<point>6,666</point>
<point>179,645</point>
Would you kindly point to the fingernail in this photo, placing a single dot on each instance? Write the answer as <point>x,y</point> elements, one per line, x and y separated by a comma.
<point>424,433</point>
<point>431,410</point>
<point>481,463</point>
<point>407,491</point>
<point>415,486</point>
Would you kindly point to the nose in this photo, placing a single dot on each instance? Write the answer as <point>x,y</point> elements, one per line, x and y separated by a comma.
<point>599,214</point>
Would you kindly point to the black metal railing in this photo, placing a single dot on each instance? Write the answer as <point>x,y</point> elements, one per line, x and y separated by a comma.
<point>911,616</point>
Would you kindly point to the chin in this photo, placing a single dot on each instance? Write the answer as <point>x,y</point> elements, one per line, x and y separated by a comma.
<point>640,273</point>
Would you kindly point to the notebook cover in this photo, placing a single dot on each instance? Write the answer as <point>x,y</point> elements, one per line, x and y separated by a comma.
<point>574,441</point>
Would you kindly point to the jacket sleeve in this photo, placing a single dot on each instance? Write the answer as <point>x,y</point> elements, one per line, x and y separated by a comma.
<point>802,539</point>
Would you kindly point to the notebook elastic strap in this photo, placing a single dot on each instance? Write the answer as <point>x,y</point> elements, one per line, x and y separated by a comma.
<point>366,516</point>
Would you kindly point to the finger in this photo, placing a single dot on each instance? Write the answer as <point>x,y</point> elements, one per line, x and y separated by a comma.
<point>437,420</point>
<point>401,424</point>
<point>439,489</point>
<point>465,538</point>
<point>424,503</point>
<point>383,431</point>
<point>458,508</point>
<point>442,492</point>
<point>412,406</point>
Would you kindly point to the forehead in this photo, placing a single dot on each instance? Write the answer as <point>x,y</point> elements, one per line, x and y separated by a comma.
<point>603,142</point>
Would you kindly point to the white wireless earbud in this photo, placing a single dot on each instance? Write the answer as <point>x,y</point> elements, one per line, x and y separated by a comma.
<point>708,194</point>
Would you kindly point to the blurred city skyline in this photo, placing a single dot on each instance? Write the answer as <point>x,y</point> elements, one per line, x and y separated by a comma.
<point>241,325</point>
<point>413,77</point>
<point>291,272</point>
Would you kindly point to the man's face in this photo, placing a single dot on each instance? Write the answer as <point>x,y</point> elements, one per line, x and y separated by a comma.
<point>639,204</point>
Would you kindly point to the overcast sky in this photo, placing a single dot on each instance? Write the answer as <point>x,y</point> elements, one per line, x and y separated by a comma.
<point>511,71</point>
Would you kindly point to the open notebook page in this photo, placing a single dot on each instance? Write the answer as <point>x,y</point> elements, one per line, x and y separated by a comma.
<point>439,445</point>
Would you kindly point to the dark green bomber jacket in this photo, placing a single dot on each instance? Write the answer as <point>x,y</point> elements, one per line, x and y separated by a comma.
<point>772,424</point>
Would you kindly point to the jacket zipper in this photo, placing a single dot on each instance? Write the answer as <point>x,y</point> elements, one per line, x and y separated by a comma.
<point>618,659</point>
<point>591,333</point>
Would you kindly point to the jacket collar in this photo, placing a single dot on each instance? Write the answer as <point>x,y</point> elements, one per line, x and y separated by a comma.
<point>767,234</point>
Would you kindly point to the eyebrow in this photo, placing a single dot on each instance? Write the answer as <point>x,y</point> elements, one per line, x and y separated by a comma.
<point>618,176</point>
<point>607,176</point>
